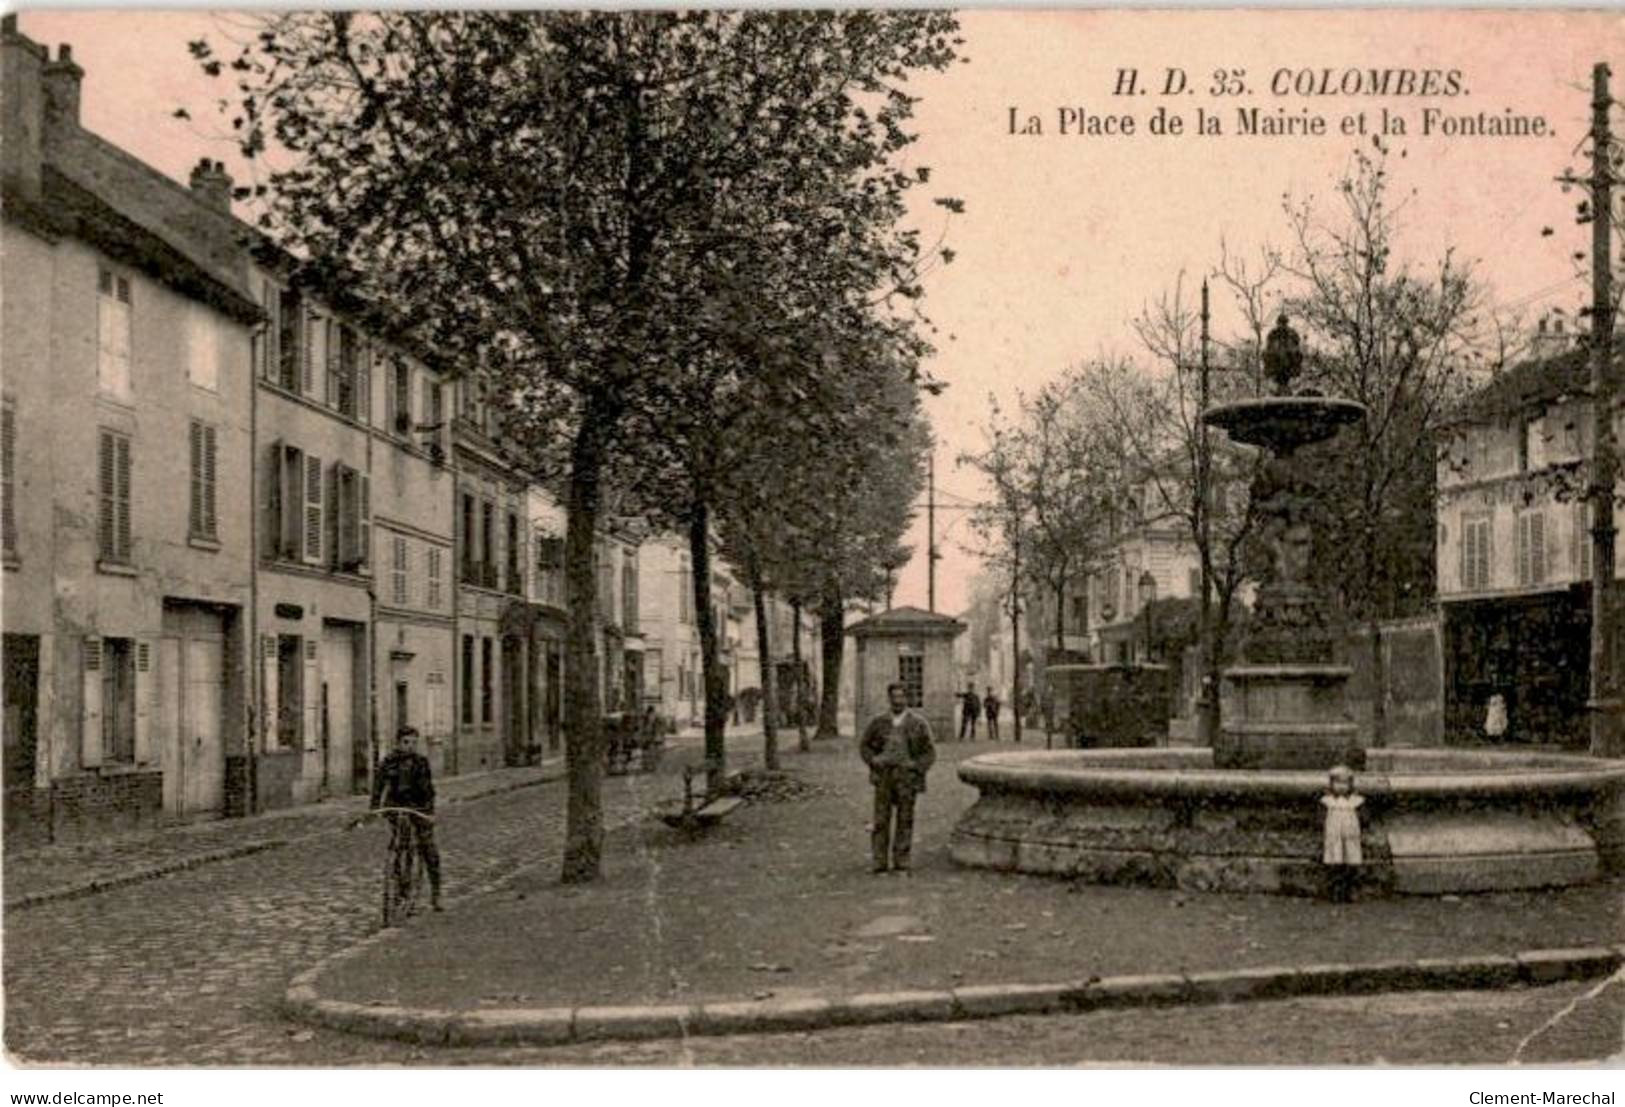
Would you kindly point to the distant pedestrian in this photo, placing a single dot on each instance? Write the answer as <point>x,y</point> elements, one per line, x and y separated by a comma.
<point>897,748</point>
<point>1342,854</point>
<point>1495,718</point>
<point>991,705</point>
<point>970,710</point>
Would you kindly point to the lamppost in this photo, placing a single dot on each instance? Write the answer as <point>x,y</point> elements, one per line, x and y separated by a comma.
<point>1148,596</point>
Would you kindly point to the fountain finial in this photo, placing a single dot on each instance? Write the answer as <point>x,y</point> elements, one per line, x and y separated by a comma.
<point>1283,356</point>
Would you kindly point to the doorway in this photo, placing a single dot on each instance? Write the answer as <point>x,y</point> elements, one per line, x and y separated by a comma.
<point>339,670</point>
<point>191,704</point>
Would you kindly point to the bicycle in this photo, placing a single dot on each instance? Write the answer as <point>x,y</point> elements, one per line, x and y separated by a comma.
<point>403,870</point>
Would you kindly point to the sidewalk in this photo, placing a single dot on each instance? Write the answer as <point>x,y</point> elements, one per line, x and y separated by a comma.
<point>776,908</point>
<point>62,872</point>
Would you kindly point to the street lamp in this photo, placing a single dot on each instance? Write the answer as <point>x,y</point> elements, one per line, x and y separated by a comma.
<point>1148,596</point>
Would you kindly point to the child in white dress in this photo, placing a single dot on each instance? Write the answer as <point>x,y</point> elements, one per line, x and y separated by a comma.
<point>1342,846</point>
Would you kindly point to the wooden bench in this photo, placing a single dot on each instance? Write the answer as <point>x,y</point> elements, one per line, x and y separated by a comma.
<point>709,809</point>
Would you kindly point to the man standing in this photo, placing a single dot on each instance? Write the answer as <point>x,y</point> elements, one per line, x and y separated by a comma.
<point>897,748</point>
<point>404,779</point>
<point>991,702</point>
<point>970,708</point>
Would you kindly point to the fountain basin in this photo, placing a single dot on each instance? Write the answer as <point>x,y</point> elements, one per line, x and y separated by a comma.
<point>1434,820</point>
<point>1283,423</point>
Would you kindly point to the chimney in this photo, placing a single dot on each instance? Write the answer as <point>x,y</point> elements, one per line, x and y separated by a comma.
<point>212,184</point>
<point>22,109</point>
<point>62,79</point>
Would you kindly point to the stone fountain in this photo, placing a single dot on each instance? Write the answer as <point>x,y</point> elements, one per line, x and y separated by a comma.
<point>1245,815</point>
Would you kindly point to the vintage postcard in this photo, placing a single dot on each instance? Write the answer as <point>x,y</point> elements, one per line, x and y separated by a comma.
<point>826,539</point>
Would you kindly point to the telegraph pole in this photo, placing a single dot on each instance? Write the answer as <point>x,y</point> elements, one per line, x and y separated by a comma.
<point>1207,717</point>
<point>1604,705</point>
<point>931,530</point>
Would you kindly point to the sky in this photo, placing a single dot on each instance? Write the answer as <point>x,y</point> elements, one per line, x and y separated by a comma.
<point>1065,237</point>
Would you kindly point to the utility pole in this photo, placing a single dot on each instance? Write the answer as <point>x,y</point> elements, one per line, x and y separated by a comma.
<point>1207,715</point>
<point>931,530</point>
<point>1604,705</point>
<point>1015,629</point>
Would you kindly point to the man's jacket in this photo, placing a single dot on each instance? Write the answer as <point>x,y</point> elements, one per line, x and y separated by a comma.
<point>404,780</point>
<point>917,737</point>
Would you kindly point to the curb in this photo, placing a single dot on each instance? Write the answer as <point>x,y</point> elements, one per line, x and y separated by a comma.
<point>561,1025</point>
<point>232,853</point>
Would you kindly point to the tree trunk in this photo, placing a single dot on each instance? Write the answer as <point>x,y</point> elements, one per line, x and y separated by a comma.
<point>716,693</point>
<point>803,740</point>
<point>583,721</point>
<point>764,650</point>
<point>832,639</point>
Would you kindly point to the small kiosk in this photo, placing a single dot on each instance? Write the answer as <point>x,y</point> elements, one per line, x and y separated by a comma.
<point>916,649</point>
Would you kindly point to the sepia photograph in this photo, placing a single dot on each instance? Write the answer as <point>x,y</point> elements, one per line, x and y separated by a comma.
<point>822,539</point>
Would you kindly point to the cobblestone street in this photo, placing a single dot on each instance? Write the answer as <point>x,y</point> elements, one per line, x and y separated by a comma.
<point>189,969</point>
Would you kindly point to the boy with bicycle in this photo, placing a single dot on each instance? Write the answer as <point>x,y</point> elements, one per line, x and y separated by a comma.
<point>404,779</point>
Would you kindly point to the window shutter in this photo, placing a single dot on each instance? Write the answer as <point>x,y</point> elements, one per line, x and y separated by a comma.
<point>1537,547</point>
<point>344,512</point>
<point>363,381</point>
<point>313,696</point>
<point>313,509</point>
<point>195,513</point>
<point>330,344</point>
<point>269,692</point>
<point>364,521</point>
<point>107,519</point>
<point>8,476</point>
<point>1465,570</point>
<point>90,718</point>
<point>1523,549</point>
<point>334,516</point>
<point>307,354</point>
<point>210,523</point>
<point>265,339</point>
<point>123,445</point>
<point>143,701</point>
<point>275,498</point>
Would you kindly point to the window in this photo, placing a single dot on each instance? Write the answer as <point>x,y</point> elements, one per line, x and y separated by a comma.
<point>1475,552</point>
<point>1080,614</point>
<point>487,686</point>
<point>1581,558</point>
<point>488,542</point>
<point>8,479</point>
<point>118,700</point>
<point>399,411</point>
<point>1531,547</point>
<point>352,507</point>
<point>549,569</point>
<point>516,583</point>
<point>201,513</point>
<point>433,598</point>
<point>113,334</point>
<point>295,506</point>
<point>291,352</point>
<point>202,348</point>
<point>434,414</point>
<point>911,674</point>
<point>343,369</point>
<point>468,680</point>
<point>290,683</point>
<point>470,575</point>
<point>629,596</point>
<point>685,593</point>
<point>113,524</point>
<point>1109,599</point>
<point>603,556</point>
<point>397,574</point>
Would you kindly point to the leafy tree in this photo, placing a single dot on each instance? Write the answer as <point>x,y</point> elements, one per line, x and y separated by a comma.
<point>1407,340</point>
<point>539,192</point>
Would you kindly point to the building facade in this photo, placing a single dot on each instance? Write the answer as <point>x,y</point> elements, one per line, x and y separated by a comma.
<point>127,591</point>
<point>1514,555</point>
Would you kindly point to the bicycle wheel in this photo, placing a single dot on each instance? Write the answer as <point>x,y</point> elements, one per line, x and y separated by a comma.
<point>411,873</point>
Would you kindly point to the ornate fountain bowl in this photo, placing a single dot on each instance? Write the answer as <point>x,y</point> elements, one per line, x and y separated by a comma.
<point>1435,820</point>
<point>1283,423</point>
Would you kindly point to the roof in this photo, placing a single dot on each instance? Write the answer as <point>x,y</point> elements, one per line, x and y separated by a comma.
<point>906,620</point>
<point>1535,383</point>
